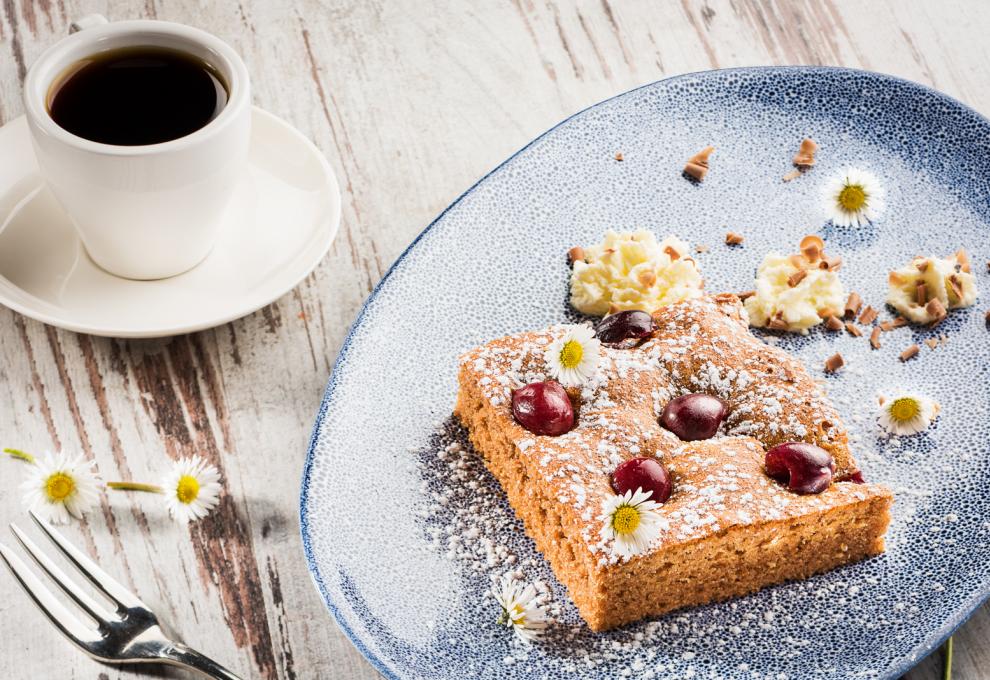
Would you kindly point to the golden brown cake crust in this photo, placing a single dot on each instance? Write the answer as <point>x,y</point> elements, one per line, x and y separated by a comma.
<point>727,529</point>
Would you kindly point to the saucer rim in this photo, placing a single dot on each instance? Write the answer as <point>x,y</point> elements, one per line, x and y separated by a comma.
<point>254,305</point>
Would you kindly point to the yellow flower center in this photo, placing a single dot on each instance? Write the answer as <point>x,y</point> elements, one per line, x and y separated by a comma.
<point>571,354</point>
<point>625,520</point>
<point>59,486</point>
<point>904,409</point>
<point>852,198</point>
<point>187,489</point>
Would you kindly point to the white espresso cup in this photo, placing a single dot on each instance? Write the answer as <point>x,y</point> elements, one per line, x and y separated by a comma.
<point>151,211</point>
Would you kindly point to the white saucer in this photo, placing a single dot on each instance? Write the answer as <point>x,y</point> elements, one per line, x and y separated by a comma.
<point>281,222</point>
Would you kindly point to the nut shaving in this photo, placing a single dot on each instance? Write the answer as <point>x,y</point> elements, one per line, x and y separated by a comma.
<point>697,166</point>
<point>868,315</point>
<point>853,304</point>
<point>875,337</point>
<point>834,363</point>
<point>909,352</point>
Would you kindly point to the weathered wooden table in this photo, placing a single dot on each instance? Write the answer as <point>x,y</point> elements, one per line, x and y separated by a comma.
<point>411,104</point>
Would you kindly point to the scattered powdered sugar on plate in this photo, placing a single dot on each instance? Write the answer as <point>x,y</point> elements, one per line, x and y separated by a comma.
<point>379,522</point>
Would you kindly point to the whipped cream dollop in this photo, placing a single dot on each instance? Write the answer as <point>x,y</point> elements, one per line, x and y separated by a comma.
<point>796,292</point>
<point>947,280</point>
<point>632,270</point>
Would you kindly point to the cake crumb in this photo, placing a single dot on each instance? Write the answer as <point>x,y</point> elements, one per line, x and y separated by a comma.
<point>618,156</point>
<point>932,342</point>
<point>733,239</point>
<point>701,248</point>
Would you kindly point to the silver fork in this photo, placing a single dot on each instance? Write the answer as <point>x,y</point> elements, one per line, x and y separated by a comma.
<point>128,634</point>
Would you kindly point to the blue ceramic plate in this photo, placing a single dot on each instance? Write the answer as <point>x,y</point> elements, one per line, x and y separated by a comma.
<point>403,527</point>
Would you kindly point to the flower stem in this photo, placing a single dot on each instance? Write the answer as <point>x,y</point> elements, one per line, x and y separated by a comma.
<point>22,455</point>
<point>135,486</point>
<point>947,669</point>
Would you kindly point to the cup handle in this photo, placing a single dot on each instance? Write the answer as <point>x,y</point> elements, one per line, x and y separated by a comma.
<point>88,21</point>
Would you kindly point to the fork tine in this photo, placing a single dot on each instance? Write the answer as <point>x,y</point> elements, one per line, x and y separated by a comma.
<point>95,611</point>
<point>88,568</point>
<point>62,618</point>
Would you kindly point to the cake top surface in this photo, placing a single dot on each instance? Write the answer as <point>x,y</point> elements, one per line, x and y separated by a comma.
<point>701,345</point>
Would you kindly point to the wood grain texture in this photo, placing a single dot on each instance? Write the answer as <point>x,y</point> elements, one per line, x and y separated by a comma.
<point>411,104</point>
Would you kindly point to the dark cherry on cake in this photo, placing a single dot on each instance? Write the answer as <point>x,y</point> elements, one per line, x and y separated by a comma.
<point>804,468</point>
<point>643,473</point>
<point>543,408</point>
<point>625,329</point>
<point>694,416</point>
<point>856,477</point>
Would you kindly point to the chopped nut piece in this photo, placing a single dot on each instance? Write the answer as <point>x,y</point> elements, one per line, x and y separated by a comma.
<point>733,239</point>
<point>746,294</point>
<point>647,277</point>
<point>962,257</point>
<point>931,342</point>
<point>618,156</point>
<point>921,293</point>
<point>805,156</point>
<point>853,304</point>
<point>868,315</point>
<point>875,337</point>
<point>834,363</point>
<point>797,277</point>
<point>812,247</point>
<point>910,352</point>
<point>830,262</point>
<point>574,254</point>
<point>936,310</point>
<point>833,323</point>
<point>853,330</point>
<point>956,287</point>
<point>701,248</point>
<point>899,321</point>
<point>674,255</point>
<point>777,323</point>
<point>697,166</point>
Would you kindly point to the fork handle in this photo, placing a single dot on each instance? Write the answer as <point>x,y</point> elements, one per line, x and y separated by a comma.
<point>179,655</point>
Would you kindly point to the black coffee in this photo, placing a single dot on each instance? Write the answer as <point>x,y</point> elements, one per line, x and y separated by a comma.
<point>137,95</point>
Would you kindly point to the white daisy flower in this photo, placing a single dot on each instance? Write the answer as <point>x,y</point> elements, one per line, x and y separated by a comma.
<point>572,359</point>
<point>853,198</point>
<point>631,521</point>
<point>520,609</point>
<point>60,486</point>
<point>192,489</point>
<point>907,413</point>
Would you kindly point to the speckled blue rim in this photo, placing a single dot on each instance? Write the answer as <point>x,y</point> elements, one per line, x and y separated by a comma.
<point>922,650</point>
